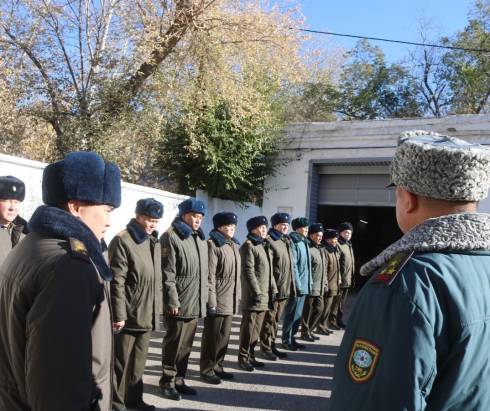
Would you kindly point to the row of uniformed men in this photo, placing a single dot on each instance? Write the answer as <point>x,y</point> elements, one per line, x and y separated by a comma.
<point>275,272</point>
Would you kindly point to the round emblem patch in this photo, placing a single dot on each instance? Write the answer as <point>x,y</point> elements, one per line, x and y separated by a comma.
<point>362,360</point>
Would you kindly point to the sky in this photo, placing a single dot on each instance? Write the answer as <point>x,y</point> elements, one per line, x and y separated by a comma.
<point>396,19</point>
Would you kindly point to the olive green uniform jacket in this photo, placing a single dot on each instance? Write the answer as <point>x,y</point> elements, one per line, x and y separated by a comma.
<point>55,320</point>
<point>283,263</point>
<point>333,269</point>
<point>347,263</point>
<point>184,270</point>
<point>224,273</point>
<point>11,235</point>
<point>318,269</point>
<point>136,290</point>
<point>258,284</point>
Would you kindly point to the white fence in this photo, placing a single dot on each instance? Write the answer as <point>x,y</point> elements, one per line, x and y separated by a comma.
<point>31,173</point>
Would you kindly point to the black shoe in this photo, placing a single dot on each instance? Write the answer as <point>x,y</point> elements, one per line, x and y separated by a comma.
<point>298,345</point>
<point>334,327</point>
<point>266,355</point>
<point>211,379</point>
<point>323,331</point>
<point>185,389</point>
<point>170,393</point>
<point>307,338</point>
<point>246,366</point>
<point>224,375</point>
<point>277,353</point>
<point>256,364</point>
<point>289,347</point>
<point>341,324</point>
<point>315,337</point>
<point>141,406</point>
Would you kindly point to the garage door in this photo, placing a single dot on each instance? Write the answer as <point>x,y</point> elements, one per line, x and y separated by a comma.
<point>361,186</point>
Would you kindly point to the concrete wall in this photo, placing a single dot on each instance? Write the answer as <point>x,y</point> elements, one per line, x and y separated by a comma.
<point>357,142</point>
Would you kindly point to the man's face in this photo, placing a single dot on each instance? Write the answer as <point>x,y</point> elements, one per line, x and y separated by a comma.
<point>227,230</point>
<point>149,224</point>
<point>283,228</point>
<point>193,220</point>
<point>332,241</point>
<point>9,209</point>
<point>260,231</point>
<point>303,231</point>
<point>96,216</point>
<point>346,235</point>
<point>316,237</point>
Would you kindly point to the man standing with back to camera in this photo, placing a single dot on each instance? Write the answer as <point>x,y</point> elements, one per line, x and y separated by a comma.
<point>418,334</point>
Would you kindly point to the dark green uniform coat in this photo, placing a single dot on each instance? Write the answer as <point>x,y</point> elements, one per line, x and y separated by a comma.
<point>258,283</point>
<point>11,235</point>
<point>224,274</point>
<point>318,269</point>
<point>333,269</point>
<point>347,263</point>
<point>55,320</point>
<point>282,263</point>
<point>418,335</point>
<point>184,270</point>
<point>136,290</point>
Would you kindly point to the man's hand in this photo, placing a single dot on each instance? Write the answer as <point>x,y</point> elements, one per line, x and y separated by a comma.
<point>173,312</point>
<point>118,326</point>
<point>211,312</point>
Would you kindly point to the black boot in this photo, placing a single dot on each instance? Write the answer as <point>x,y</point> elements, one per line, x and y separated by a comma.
<point>277,353</point>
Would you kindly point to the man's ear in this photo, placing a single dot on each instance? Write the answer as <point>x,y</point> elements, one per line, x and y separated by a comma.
<point>73,207</point>
<point>407,201</point>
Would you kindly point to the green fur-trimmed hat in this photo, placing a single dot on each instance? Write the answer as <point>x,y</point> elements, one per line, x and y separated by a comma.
<point>441,167</point>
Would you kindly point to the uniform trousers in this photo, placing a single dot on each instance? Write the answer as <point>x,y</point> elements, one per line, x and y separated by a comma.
<point>215,339</point>
<point>268,333</point>
<point>312,313</point>
<point>130,351</point>
<point>292,318</point>
<point>344,292</point>
<point>324,322</point>
<point>249,333</point>
<point>176,349</point>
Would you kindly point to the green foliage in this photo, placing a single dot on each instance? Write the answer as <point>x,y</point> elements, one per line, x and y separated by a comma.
<point>205,149</point>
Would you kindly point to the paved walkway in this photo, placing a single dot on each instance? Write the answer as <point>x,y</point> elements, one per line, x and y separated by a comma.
<point>300,382</point>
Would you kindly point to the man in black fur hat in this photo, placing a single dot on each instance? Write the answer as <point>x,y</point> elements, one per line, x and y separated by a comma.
<point>136,295</point>
<point>185,293</point>
<point>12,226</point>
<point>224,293</point>
<point>55,320</point>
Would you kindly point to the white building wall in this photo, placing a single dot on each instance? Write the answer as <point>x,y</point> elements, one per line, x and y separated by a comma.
<point>307,143</point>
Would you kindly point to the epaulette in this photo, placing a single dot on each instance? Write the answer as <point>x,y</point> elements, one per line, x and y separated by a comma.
<point>389,272</point>
<point>78,249</point>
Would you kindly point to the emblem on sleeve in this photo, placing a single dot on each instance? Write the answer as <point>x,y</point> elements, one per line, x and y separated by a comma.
<point>363,360</point>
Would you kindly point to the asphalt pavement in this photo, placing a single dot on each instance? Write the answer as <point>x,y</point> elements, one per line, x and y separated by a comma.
<point>302,381</point>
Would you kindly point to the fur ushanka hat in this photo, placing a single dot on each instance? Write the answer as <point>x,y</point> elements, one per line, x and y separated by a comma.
<point>441,167</point>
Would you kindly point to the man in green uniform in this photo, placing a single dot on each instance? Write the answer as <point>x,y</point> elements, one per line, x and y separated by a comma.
<point>313,309</point>
<point>136,296</point>
<point>224,291</point>
<point>258,289</point>
<point>185,293</point>
<point>55,318</point>
<point>12,227</point>
<point>417,336</point>
<point>332,253</point>
<point>347,266</point>
<point>281,247</point>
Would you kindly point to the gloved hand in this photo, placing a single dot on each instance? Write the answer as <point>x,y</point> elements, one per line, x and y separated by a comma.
<point>211,312</point>
<point>325,289</point>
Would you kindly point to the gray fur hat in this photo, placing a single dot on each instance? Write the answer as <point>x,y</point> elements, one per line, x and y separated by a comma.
<point>441,167</point>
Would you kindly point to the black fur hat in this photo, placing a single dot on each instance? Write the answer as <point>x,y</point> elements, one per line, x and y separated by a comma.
<point>224,218</point>
<point>11,188</point>
<point>149,207</point>
<point>255,222</point>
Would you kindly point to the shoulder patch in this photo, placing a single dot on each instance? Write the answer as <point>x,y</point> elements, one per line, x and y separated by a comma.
<point>78,249</point>
<point>165,251</point>
<point>389,272</point>
<point>362,360</point>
